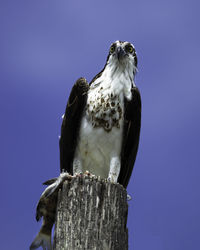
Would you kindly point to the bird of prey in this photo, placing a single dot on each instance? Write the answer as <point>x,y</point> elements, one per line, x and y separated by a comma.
<point>100,131</point>
<point>101,125</point>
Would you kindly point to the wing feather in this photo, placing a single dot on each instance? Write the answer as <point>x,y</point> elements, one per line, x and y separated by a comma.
<point>71,124</point>
<point>131,134</point>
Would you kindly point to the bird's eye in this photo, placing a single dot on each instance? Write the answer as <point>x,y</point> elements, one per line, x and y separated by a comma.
<point>112,49</point>
<point>129,48</point>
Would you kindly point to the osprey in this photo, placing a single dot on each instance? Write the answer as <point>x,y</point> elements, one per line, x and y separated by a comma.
<point>100,132</point>
<point>101,125</point>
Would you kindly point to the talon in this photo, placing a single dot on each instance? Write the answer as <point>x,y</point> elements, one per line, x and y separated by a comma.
<point>87,173</point>
<point>65,176</point>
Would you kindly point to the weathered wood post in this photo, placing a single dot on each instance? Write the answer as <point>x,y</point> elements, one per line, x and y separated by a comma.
<point>91,214</point>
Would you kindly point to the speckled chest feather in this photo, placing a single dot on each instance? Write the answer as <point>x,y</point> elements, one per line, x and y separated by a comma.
<point>104,109</point>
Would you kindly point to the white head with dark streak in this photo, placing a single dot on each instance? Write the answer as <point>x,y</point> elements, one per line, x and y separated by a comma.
<point>120,69</point>
<point>122,56</point>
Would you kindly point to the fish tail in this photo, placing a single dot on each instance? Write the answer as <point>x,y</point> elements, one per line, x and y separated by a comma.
<point>43,240</point>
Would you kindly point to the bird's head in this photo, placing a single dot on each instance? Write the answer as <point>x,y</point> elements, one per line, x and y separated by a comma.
<point>122,54</point>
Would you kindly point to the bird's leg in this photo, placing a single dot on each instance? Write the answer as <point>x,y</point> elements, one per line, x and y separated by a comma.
<point>77,167</point>
<point>114,169</point>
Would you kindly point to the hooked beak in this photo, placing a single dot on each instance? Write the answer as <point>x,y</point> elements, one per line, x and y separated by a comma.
<point>120,53</point>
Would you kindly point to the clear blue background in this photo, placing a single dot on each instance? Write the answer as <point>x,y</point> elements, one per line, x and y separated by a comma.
<point>45,46</point>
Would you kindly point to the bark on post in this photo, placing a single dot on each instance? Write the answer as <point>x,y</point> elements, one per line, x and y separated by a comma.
<point>91,214</point>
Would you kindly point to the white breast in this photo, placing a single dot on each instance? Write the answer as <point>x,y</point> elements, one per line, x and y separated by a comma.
<point>97,147</point>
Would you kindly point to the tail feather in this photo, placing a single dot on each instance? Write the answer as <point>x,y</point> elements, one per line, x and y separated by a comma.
<point>42,240</point>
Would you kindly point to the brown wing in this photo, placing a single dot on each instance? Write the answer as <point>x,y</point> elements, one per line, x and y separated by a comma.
<point>131,134</point>
<point>71,124</point>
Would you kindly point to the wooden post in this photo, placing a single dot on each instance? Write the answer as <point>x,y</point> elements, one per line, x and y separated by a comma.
<point>91,215</point>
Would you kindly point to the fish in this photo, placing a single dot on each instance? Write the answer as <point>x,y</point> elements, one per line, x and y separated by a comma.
<point>46,209</point>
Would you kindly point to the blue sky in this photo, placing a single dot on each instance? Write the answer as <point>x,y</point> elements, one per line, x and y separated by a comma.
<point>45,46</point>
